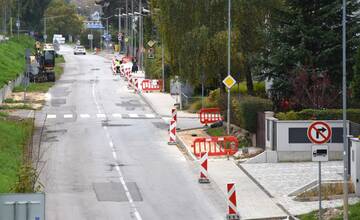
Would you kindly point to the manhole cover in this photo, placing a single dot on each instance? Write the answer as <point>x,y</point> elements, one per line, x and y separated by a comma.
<point>161,125</point>
<point>95,69</point>
<point>114,192</point>
<point>56,131</point>
<point>58,102</point>
<point>107,124</point>
<point>66,81</point>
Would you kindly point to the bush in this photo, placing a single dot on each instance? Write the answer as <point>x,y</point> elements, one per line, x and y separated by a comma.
<point>259,89</point>
<point>245,111</point>
<point>320,114</point>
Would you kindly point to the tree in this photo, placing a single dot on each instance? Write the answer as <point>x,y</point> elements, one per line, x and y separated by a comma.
<point>308,33</point>
<point>61,18</point>
<point>355,84</point>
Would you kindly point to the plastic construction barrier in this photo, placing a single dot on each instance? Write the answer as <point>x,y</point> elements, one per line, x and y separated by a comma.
<point>151,85</point>
<point>210,115</point>
<point>215,146</point>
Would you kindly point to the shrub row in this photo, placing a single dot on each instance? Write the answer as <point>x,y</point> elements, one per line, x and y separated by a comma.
<point>245,111</point>
<point>320,114</point>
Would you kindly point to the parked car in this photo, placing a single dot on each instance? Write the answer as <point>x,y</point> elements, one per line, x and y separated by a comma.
<point>79,50</point>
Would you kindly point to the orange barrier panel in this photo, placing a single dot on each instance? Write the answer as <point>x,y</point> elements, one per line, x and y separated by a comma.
<point>210,115</point>
<point>215,146</point>
<point>151,85</point>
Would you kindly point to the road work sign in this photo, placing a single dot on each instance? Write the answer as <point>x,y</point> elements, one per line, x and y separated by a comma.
<point>229,81</point>
<point>319,132</point>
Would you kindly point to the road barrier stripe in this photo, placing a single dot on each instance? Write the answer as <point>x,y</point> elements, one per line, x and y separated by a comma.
<point>232,213</point>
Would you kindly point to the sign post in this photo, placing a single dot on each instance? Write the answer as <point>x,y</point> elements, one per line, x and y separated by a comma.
<point>229,82</point>
<point>319,133</point>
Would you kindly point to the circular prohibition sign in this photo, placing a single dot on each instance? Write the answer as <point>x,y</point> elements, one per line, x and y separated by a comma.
<point>319,132</point>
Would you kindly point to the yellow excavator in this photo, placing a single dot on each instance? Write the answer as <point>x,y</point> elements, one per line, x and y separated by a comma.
<point>44,60</point>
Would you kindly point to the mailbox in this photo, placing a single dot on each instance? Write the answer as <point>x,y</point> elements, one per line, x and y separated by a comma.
<point>320,153</point>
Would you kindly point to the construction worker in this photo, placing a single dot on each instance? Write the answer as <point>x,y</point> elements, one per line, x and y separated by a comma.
<point>117,64</point>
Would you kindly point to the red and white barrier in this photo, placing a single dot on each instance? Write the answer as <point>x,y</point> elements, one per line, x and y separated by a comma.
<point>232,213</point>
<point>172,133</point>
<point>174,115</point>
<point>210,115</point>
<point>151,85</point>
<point>136,85</point>
<point>203,168</point>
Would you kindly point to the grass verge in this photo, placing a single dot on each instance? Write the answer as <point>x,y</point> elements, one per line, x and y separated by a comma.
<point>12,61</point>
<point>45,86</point>
<point>14,136</point>
<point>216,132</point>
<point>354,213</point>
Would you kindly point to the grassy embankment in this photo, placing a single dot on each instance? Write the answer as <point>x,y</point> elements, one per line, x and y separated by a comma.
<point>14,137</point>
<point>12,58</point>
<point>354,213</point>
<point>45,86</point>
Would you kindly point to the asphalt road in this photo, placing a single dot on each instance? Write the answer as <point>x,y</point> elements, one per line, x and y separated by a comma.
<point>106,156</point>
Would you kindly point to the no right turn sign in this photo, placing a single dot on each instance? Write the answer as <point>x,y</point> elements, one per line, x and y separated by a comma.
<point>319,132</point>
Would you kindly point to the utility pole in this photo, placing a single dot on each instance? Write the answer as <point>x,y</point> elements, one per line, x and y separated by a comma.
<point>119,40</point>
<point>5,18</point>
<point>18,18</point>
<point>163,64</point>
<point>140,35</point>
<point>132,27</point>
<point>126,26</point>
<point>345,139</point>
<point>45,37</point>
<point>229,66</point>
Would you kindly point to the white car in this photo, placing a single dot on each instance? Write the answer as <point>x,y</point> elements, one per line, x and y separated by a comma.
<point>79,50</point>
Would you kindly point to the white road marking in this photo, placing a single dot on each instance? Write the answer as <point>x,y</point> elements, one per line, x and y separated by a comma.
<point>100,115</point>
<point>122,180</point>
<point>133,115</point>
<point>51,116</point>
<point>68,116</point>
<point>115,115</point>
<point>84,116</point>
<point>150,115</point>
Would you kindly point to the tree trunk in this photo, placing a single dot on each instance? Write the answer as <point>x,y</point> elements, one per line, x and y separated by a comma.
<point>249,80</point>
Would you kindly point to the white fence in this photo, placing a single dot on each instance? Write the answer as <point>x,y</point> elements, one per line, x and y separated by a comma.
<point>6,91</point>
<point>290,142</point>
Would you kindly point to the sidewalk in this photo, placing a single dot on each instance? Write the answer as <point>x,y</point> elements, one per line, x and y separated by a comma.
<point>252,201</point>
<point>162,103</point>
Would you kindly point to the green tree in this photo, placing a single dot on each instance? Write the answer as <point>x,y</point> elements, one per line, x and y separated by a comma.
<point>355,84</point>
<point>308,33</point>
<point>62,18</point>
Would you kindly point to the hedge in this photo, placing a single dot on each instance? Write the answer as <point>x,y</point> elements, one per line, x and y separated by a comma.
<point>320,114</point>
<point>245,111</point>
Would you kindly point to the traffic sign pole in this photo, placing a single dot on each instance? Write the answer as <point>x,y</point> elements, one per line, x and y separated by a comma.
<point>319,190</point>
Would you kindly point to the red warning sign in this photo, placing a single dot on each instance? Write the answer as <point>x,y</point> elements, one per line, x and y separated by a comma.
<point>319,132</point>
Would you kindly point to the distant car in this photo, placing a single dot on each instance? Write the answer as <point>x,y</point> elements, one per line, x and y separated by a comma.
<point>79,50</point>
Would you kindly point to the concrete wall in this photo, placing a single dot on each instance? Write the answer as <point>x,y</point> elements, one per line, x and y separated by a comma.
<point>277,139</point>
<point>6,91</point>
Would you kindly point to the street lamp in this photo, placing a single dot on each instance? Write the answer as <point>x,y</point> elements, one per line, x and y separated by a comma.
<point>119,17</point>
<point>345,138</point>
<point>229,65</point>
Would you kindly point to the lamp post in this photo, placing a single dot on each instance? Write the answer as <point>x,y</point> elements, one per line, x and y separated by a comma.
<point>345,139</point>
<point>229,66</point>
<point>119,35</point>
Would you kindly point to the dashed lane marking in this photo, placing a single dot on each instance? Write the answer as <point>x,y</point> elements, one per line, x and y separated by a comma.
<point>68,116</point>
<point>117,115</point>
<point>84,116</point>
<point>100,115</point>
